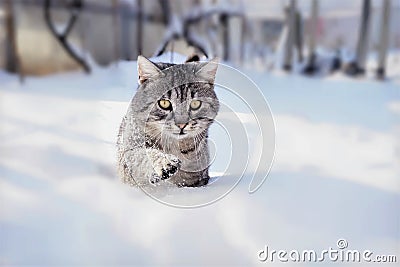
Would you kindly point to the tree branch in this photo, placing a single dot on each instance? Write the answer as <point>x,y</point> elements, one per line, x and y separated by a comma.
<point>63,37</point>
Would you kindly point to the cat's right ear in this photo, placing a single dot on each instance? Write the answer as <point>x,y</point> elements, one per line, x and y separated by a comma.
<point>193,58</point>
<point>146,69</point>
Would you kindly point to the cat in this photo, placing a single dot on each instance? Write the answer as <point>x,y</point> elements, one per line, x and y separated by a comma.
<point>163,136</point>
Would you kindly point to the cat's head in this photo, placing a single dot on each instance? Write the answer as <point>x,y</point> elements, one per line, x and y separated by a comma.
<point>185,103</point>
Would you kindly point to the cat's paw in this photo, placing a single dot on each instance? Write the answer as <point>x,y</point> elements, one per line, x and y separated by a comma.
<point>165,167</point>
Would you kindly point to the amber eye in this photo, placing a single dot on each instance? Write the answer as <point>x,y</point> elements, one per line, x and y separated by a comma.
<point>164,104</point>
<point>195,104</point>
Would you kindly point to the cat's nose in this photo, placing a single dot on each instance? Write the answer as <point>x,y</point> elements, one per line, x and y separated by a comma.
<point>181,125</point>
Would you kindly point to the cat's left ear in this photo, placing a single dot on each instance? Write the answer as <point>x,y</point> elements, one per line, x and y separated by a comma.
<point>146,69</point>
<point>208,70</point>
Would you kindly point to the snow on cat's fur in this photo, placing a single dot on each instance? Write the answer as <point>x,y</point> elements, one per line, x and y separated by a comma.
<point>163,135</point>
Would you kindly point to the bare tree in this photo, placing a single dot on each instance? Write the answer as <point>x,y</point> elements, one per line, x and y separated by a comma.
<point>74,8</point>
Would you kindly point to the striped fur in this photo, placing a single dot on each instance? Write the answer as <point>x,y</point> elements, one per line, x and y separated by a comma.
<point>157,144</point>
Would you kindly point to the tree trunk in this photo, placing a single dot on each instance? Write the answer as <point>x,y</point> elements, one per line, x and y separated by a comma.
<point>125,34</point>
<point>313,28</point>
<point>384,39</point>
<point>12,59</point>
<point>299,35</point>
<point>357,67</point>
<point>311,67</point>
<point>243,39</point>
<point>290,24</point>
<point>362,46</point>
<point>117,53</point>
<point>139,27</point>
<point>225,36</point>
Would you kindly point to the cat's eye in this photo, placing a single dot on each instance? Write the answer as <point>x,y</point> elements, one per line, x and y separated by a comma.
<point>195,104</point>
<point>164,104</point>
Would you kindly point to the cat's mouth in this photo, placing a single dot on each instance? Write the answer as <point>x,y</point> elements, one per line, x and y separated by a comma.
<point>181,133</point>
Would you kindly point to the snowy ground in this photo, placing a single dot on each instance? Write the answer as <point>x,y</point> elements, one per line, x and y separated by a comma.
<point>336,175</point>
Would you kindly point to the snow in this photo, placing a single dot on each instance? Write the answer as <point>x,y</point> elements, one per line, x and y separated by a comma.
<point>335,175</point>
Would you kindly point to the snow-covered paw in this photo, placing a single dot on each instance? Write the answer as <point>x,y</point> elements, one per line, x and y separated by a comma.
<point>165,167</point>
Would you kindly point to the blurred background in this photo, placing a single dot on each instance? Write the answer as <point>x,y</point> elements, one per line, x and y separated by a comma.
<point>42,37</point>
<point>330,71</point>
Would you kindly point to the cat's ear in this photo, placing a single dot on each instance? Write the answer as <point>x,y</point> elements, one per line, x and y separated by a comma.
<point>146,69</point>
<point>193,58</point>
<point>207,70</point>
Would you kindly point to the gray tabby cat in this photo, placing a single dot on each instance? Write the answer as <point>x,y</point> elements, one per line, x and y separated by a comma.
<point>163,135</point>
